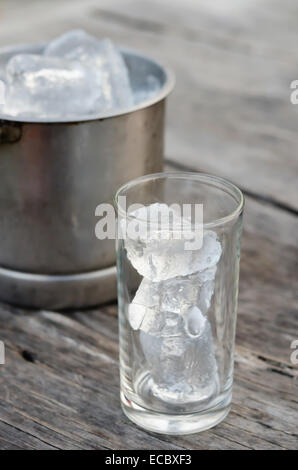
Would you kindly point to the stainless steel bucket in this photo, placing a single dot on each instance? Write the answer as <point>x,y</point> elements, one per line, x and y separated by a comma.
<point>53,175</point>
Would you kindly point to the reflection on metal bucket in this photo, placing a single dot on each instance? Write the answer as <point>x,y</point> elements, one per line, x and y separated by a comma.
<point>54,174</point>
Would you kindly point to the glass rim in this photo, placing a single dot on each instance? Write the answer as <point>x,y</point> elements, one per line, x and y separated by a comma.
<point>194,176</point>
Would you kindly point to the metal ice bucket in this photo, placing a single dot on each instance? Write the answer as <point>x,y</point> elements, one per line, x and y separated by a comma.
<point>53,176</point>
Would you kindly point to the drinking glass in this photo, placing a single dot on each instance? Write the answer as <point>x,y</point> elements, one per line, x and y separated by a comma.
<point>178,276</point>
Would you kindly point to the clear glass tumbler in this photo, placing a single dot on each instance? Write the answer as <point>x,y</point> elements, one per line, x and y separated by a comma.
<point>177,302</point>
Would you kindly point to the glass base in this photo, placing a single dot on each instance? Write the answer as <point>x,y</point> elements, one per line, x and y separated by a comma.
<point>174,424</point>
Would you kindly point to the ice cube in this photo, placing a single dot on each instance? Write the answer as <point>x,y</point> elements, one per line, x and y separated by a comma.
<point>154,300</point>
<point>169,310</point>
<point>195,322</point>
<point>75,42</point>
<point>173,296</point>
<point>103,58</point>
<point>179,293</point>
<point>162,324</point>
<point>148,310</point>
<point>182,366</point>
<point>49,87</point>
<point>143,304</point>
<point>157,255</point>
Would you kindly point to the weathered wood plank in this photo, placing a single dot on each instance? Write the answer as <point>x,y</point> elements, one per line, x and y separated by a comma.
<point>79,400</point>
<point>24,442</point>
<point>71,388</point>
<point>76,356</point>
<point>230,115</point>
<point>75,373</point>
<point>62,403</point>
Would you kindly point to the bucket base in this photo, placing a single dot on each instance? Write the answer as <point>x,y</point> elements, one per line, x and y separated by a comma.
<point>59,291</point>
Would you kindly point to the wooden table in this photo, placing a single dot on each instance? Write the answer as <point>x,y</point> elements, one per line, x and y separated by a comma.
<point>230,115</point>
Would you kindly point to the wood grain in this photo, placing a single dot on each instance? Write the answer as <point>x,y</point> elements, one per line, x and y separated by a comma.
<point>68,396</point>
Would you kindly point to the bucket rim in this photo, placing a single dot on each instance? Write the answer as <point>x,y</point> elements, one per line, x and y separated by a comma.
<point>164,91</point>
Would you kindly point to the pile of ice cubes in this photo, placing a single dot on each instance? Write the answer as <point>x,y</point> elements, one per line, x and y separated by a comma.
<point>76,74</point>
<point>169,310</point>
